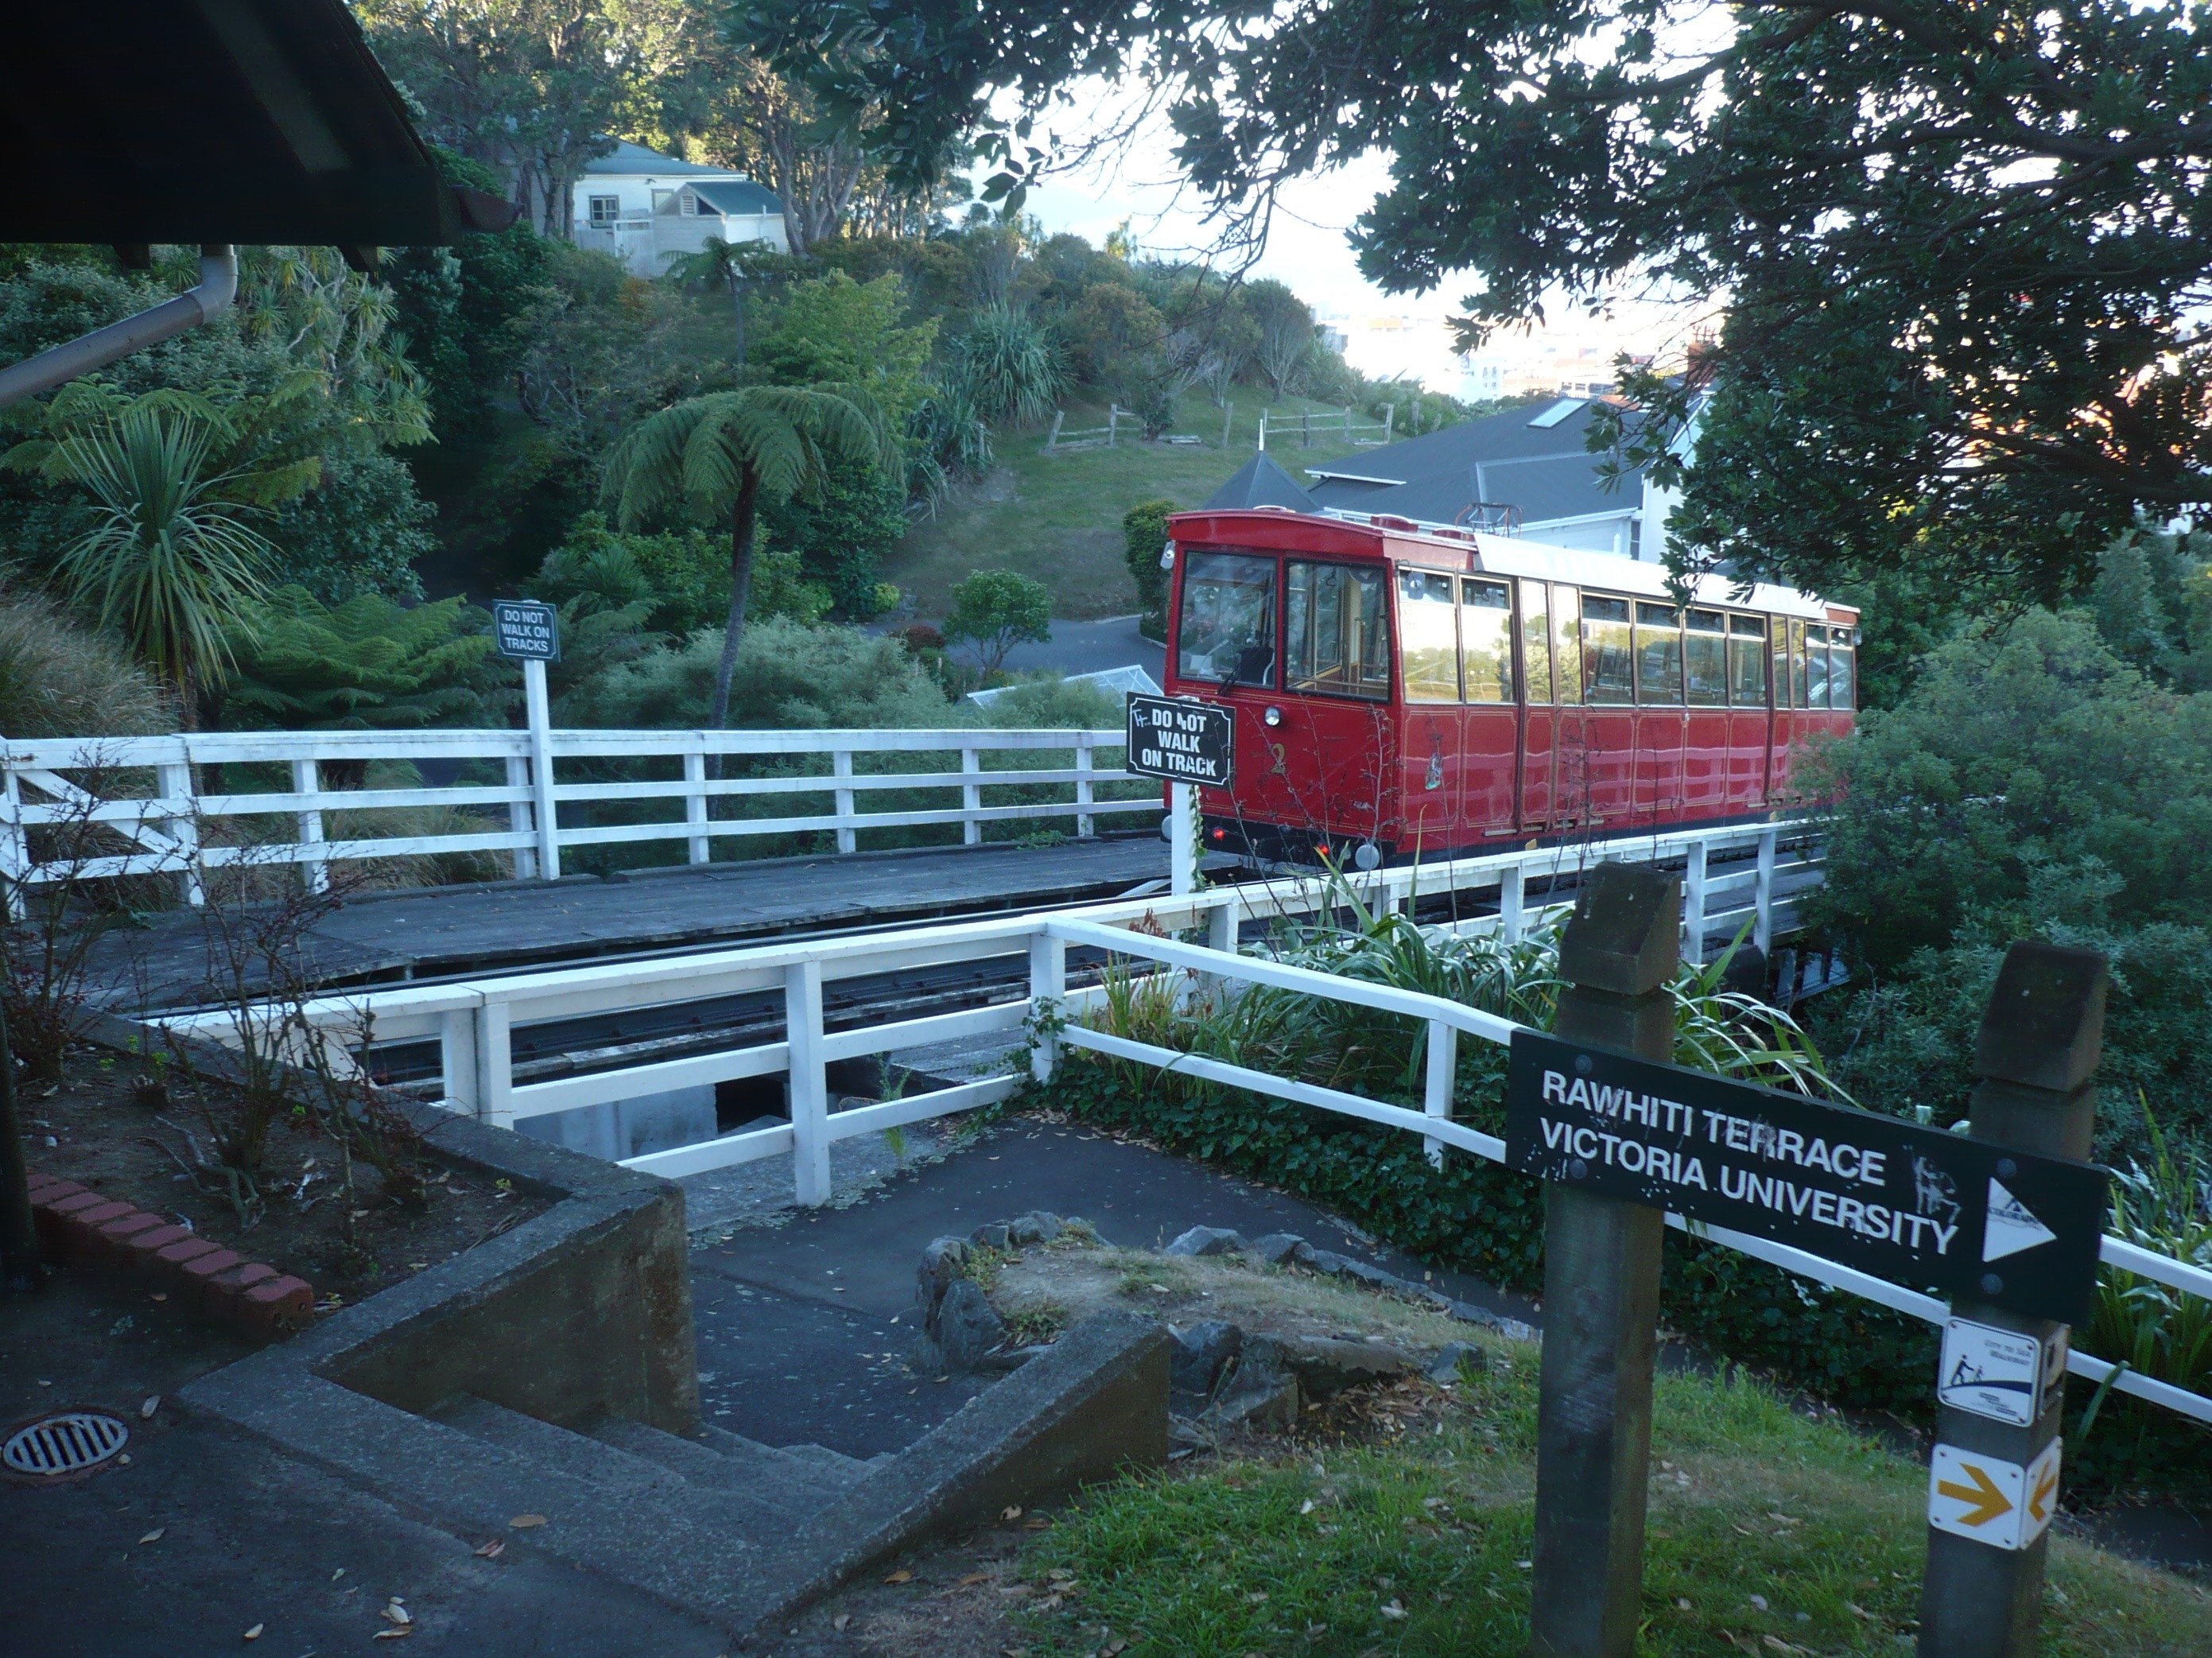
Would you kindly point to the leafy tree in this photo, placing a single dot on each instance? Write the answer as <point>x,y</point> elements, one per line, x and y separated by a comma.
<point>838,531</point>
<point>1144,533</point>
<point>369,664</point>
<point>1963,246</point>
<point>998,610</point>
<point>1009,365</point>
<point>2152,602</point>
<point>833,330</point>
<point>1117,337</point>
<point>361,529</point>
<point>172,557</point>
<point>729,455</point>
<point>1286,333</point>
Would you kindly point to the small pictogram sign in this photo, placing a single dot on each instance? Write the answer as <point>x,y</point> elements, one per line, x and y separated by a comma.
<point>1998,1374</point>
<point>1990,1500</point>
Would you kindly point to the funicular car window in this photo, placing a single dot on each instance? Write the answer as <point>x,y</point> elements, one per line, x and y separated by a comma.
<point>1843,670</point>
<point>1567,644</point>
<point>1339,633</point>
<point>1486,626</point>
<point>1705,660</point>
<point>1816,666</point>
<point>1228,618</point>
<point>1747,661</point>
<point>1658,653</point>
<point>1536,640</point>
<point>1608,659</point>
<point>1779,654</point>
<point>1800,692</point>
<point>1428,637</point>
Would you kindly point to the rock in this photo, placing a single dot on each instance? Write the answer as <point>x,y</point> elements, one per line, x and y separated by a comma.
<point>1373,1277</point>
<point>1326,1366</point>
<point>997,1235</point>
<point>943,1262</point>
<point>1038,1226</point>
<point>1454,1357</point>
<point>1261,1392</point>
<point>1200,1353</point>
<point>1283,1250</point>
<point>1208,1241</point>
<point>967,1328</point>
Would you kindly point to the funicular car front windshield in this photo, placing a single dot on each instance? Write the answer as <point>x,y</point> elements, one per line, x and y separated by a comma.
<point>1228,629</point>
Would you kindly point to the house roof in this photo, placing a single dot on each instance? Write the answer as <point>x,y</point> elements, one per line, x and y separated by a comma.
<point>628,158</point>
<point>1531,458</point>
<point>1261,482</point>
<point>737,196</point>
<point>139,121</point>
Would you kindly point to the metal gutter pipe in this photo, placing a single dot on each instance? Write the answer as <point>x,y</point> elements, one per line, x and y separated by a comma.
<point>218,285</point>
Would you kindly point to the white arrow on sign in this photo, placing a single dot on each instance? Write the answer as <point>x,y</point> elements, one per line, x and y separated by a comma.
<point>2012,1226</point>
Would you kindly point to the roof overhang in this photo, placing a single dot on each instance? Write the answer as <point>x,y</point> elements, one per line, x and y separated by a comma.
<point>132,122</point>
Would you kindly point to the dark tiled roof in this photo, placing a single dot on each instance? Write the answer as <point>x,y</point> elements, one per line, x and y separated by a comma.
<point>1261,482</point>
<point>1501,461</point>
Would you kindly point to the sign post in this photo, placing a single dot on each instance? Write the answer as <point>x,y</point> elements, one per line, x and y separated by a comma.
<point>1185,744</point>
<point>1993,1483</point>
<point>1602,1293</point>
<point>528,631</point>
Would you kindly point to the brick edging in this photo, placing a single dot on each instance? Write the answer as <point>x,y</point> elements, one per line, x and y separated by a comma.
<point>92,1229</point>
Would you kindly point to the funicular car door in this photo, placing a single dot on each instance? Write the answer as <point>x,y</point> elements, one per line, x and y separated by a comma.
<point>1750,722</point>
<point>1336,652</point>
<point>1571,802</point>
<point>1786,658</point>
<point>1707,732</point>
<point>1661,719</point>
<point>1491,727</point>
<point>1609,710</point>
<point>1539,716</point>
<point>1429,764</point>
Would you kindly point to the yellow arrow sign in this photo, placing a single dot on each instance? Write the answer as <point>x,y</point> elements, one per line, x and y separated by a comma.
<point>2039,1506</point>
<point>1983,1501</point>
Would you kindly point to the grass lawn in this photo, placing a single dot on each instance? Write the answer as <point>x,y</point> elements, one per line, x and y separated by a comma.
<point>1401,1524</point>
<point>1058,516</point>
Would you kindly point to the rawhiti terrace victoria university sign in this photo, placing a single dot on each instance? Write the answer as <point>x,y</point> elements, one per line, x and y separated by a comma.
<point>1915,1205</point>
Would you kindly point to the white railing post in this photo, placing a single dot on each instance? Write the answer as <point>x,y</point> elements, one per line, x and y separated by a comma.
<point>541,768</point>
<point>519,814</point>
<point>841,762</point>
<point>695,805</point>
<point>495,1057</point>
<point>1086,790</point>
<point>1694,906</point>
<point>1512,902</point>
<point>810,1083</point>
<point>306,779</point>
<point>1437,1096</point>
<point>1762,928</point>
<point>1182,838</point>
<point>15,845</point>
<point>459,1079</point>
<point>1221,922</point>
<point>1047,1001</point>
<point>971,797</point>
<point>175,782</point>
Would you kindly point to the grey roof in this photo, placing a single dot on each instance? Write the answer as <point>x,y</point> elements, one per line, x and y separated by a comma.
<point>1261,482</point>
<point>1501,461</point>
<point>628,157</point>
<point>739,195</point>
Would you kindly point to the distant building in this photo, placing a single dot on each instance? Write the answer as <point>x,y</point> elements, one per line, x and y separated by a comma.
<point>648,209</point>
<point>1524,472</point>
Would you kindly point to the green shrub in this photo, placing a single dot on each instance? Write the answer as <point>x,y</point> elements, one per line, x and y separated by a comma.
<point>997,610</point>
<point>788,676</point>
<point>370,664</point>
<point>1144,533</point>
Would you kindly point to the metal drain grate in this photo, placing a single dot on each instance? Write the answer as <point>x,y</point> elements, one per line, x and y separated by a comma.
<point>69,1442</point>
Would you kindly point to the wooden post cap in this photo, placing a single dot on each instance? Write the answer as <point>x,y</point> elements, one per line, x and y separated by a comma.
<point>1623,936</point>
<point>2045,1023</point>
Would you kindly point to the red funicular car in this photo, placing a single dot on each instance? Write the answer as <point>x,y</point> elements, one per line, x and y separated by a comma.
<point>1405,692</point>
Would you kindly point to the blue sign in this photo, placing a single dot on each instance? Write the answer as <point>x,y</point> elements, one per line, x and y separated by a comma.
<point>526,629</point>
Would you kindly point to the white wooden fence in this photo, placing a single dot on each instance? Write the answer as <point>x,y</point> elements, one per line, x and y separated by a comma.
<point>144,788</point>
<point>474,1023</point>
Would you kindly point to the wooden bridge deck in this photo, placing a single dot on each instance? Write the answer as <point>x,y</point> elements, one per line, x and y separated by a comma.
<point>443,932</point>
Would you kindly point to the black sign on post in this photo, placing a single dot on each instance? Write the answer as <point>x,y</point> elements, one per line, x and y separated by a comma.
<point>1915,1205</point>
<point>526,629</point>
<point>1181,742</point>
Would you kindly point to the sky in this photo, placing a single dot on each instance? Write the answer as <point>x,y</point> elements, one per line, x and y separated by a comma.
<point>1307,248</point>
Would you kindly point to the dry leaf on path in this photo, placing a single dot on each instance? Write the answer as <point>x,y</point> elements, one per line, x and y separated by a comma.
<point>901,1576</point>
<point>974,1578</point>
<point>839,1622</point>
<point>154,1536</point>
<point>391,1635</point>
<point>254,1634</point>
<point>493,1550</point>
<point>153,1403</point>
<point>524,1521</point>
<point>1013,1513</point>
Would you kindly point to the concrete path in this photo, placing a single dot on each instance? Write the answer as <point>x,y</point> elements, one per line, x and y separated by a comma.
<point>796,1309</point>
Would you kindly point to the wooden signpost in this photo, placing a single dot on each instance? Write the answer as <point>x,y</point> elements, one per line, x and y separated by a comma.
<point>2006,1221</point>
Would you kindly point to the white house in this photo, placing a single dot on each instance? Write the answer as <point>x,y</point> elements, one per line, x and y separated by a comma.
<point>648,209</point>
